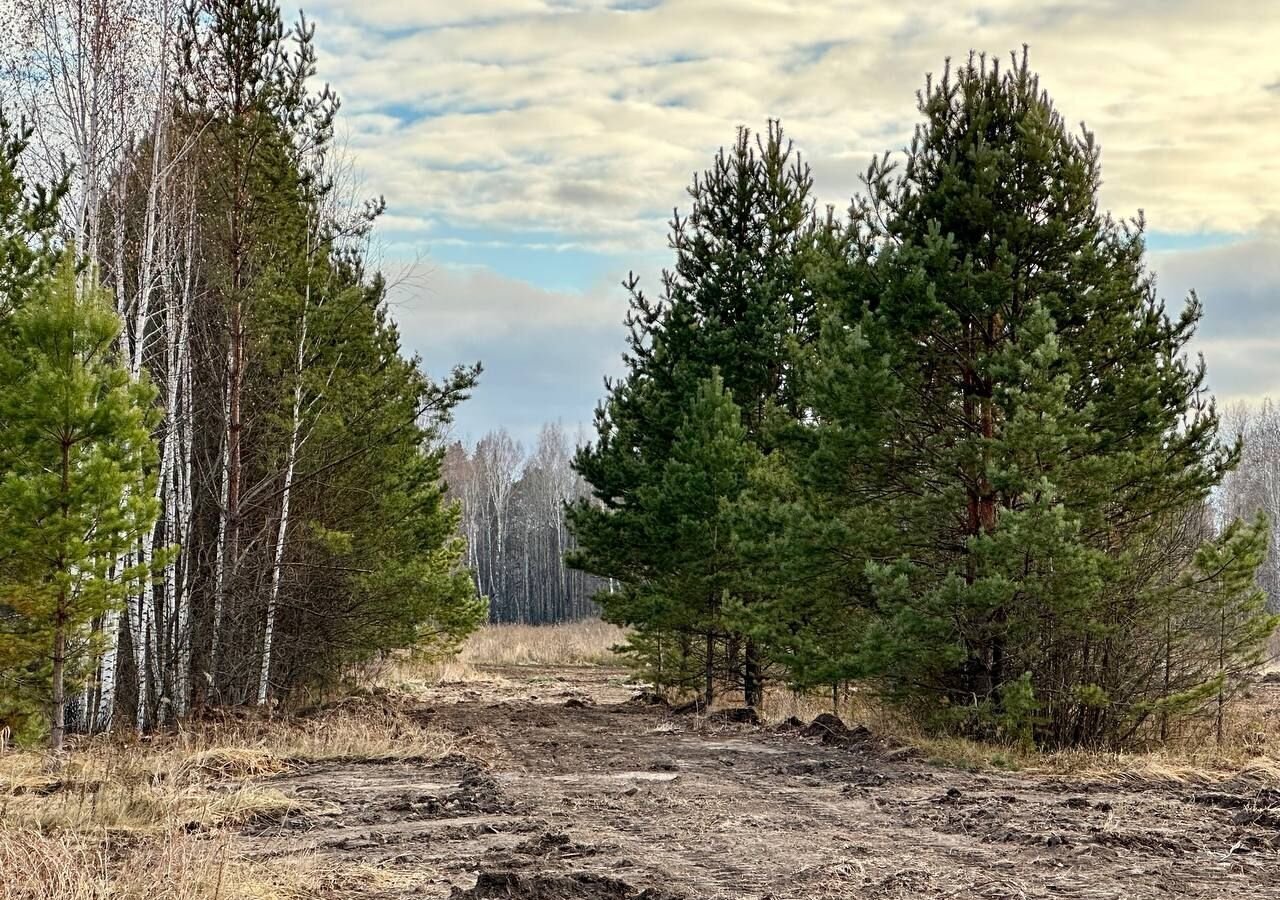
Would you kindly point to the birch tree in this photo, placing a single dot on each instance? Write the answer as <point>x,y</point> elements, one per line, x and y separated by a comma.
<point>298,463</point>
<point>532,581</point>
<point>498,459</point>
<point>85,73</point>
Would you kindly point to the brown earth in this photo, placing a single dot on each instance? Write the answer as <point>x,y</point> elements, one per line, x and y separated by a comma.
<point>568,791</point>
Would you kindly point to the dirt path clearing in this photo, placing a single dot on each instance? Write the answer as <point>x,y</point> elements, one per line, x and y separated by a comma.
<point>571,792</point>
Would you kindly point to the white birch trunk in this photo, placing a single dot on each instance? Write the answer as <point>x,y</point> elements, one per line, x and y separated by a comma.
<point>277,564</point>
<point>107,672</point>
<point>220,560</point>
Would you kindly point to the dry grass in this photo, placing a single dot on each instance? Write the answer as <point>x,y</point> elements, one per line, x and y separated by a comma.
<point>149,818</point>
<point>1273,654</point>
<point>206,776</point>
<point>377,726</point>
<point>1250,747</point>
<point>170,866</point>
<point>587,643</point>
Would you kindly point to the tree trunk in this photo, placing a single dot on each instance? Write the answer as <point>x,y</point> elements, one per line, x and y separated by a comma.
<point>269,630</point>
<point>709,692</point>
<point>58,720</point>
<point>105,708</point>
<point>752,678</point>
<point>58,727</point>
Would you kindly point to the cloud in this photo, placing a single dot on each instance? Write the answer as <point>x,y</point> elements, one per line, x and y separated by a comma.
<point>591,116</point>
<point>535,148</point>
<point>544,352</point>
<point>1239,287</point>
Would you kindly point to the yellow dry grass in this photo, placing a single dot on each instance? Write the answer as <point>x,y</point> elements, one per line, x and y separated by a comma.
<point>586,643</point>
<point>205,776</point>
<point>174,865</point>
<point>1273,654</point>
<point>148,818</point>
<point>1250,746</point>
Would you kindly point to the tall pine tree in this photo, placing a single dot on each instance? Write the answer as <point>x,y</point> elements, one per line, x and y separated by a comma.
<point>28,217</point>
<point>735,302</point>
<point>686,520</point>
<point>1004,400</point>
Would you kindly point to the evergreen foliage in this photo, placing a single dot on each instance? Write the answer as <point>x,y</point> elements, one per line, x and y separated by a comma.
<point>275,514</point>
<point>735,302</point>
<point>325,436</point>
<point>981,484</point>
<point>28,217</point>
<point>685,521</point>
<point>1044,427</point>
<point>78,489</point>
<point>375,562</point>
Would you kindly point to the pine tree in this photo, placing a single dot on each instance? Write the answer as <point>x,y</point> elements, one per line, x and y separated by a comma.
<point>373,562</point>
<point>77,490</point>
<point>28,218</point>
<point>300,465</point>
<point>736,301</point>
<point>1024,423</point>
<point>244,80</point>
<point>1217,626</point>
<point>685,520</point>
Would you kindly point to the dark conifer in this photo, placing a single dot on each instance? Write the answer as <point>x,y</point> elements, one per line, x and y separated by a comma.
<point>1006,405</point>
<point>736,301</point>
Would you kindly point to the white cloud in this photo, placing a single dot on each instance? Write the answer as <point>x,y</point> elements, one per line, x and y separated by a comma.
<point>571,124</point>
<point>447,303</point>
<point>590,119</point>
<point>1239,287</point>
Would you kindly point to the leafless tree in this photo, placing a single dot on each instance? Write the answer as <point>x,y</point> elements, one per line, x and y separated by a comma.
<point>1255,484</point>
<point>513,519</point>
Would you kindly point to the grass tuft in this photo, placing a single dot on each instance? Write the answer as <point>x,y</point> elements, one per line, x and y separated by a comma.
<point>173,865</point>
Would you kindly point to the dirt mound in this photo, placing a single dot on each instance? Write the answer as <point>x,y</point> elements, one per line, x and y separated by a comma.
<point>1260,807</point>
<point>647,698</point>
<point>830,730</point>
<point>553,843</point>
<point>741,716</point>
<point>477,793</point>
<point>575,886</point>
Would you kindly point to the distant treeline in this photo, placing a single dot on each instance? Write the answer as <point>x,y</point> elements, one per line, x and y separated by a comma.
<point>1253,487</point>
<point>513,517</point>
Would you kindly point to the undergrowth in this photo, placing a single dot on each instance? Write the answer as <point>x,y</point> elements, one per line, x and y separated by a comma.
<point>149,818</point>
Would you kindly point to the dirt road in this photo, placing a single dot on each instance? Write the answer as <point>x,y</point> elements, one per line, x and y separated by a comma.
<point>569,791</point>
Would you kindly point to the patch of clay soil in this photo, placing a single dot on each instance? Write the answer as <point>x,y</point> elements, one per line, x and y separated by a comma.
<point>571,791</point>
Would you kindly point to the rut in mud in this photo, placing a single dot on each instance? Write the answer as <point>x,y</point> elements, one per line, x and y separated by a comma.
<point>575,791</point>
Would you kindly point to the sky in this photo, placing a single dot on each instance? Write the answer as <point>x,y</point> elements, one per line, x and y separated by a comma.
<point>531,153</point>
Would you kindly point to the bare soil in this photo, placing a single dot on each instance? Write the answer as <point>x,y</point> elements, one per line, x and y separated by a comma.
<point>570,789</point>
